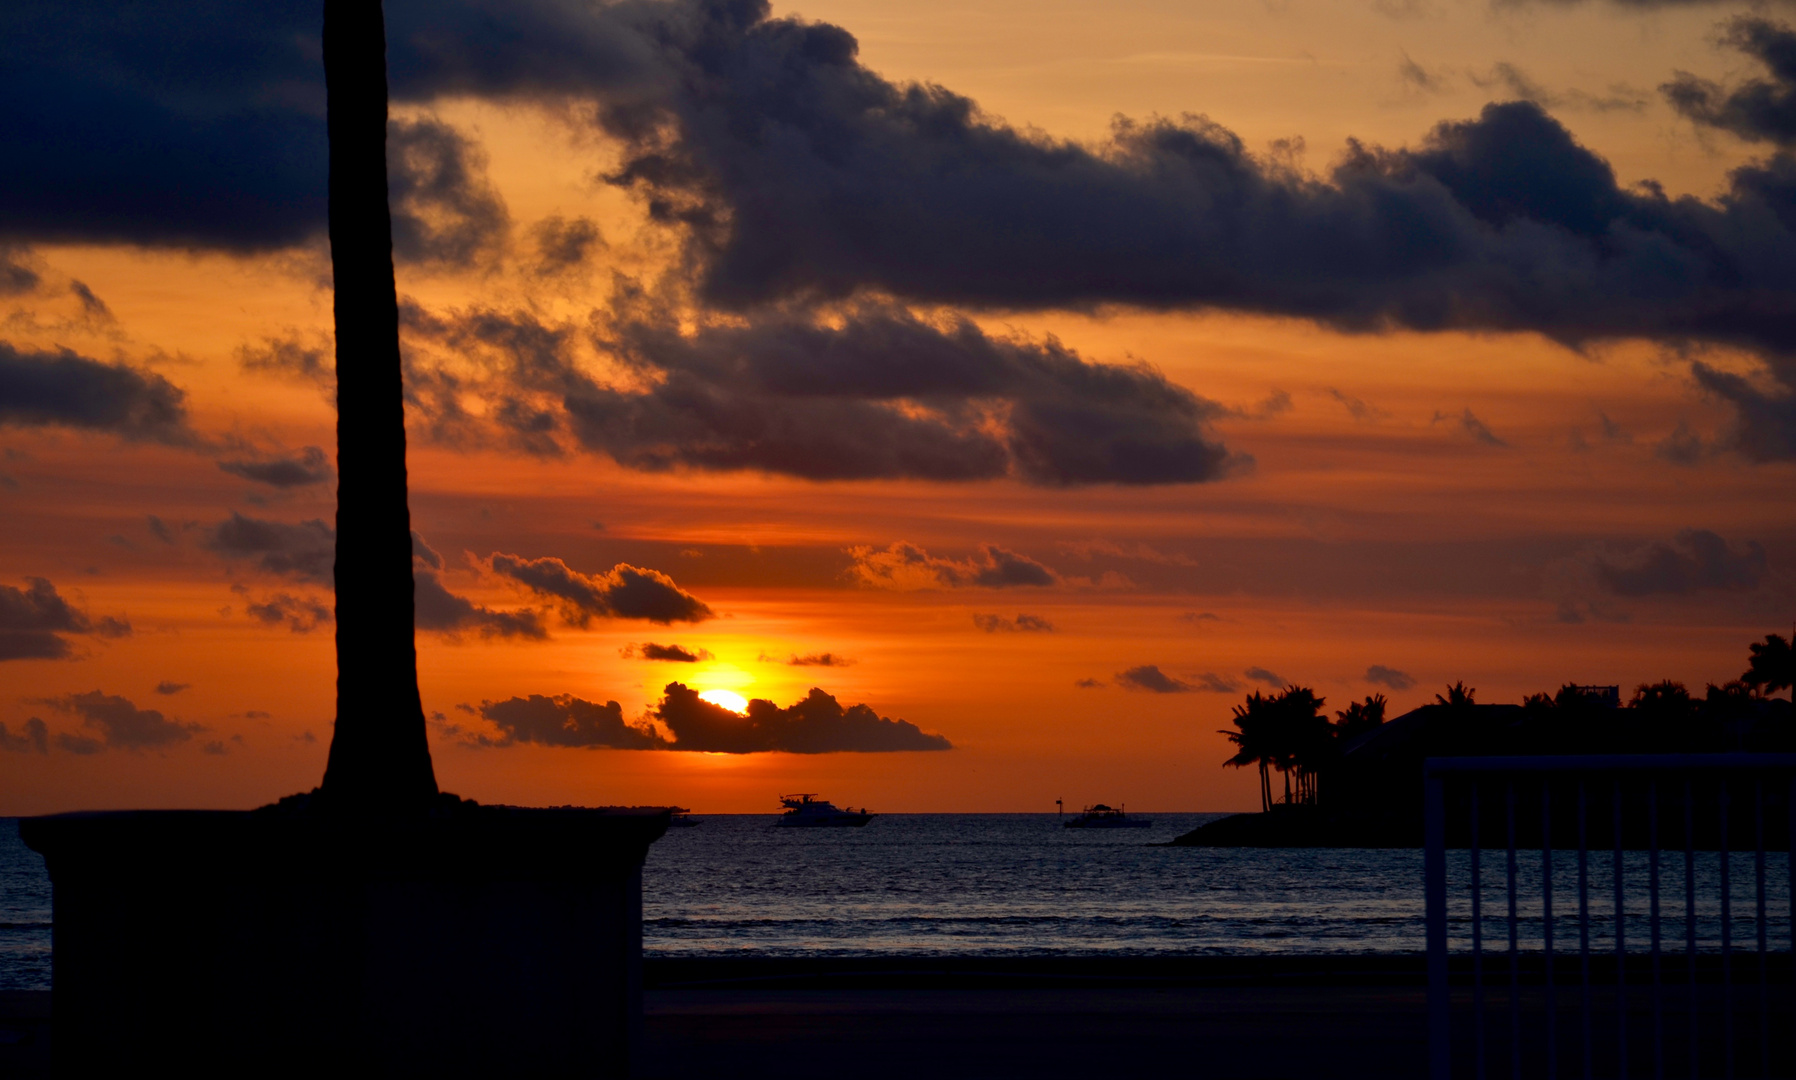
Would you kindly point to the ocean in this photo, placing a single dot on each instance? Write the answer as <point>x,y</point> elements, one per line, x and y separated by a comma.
<point>1020,885</point>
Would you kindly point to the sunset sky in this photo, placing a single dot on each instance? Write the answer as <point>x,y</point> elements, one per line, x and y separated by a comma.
<point>1046,376</point>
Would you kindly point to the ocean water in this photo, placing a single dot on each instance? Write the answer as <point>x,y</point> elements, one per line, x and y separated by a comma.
<point>1019,884</point>
<point>24,913</point>
<point>1013,884</point>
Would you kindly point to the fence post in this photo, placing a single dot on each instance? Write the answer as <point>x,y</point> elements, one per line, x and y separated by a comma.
<point>1434,873</point>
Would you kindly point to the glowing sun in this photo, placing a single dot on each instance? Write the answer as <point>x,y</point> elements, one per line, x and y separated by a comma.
<point>727,699</point>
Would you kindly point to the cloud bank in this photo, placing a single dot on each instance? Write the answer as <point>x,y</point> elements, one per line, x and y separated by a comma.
<point>906,566</point>
<point>623,592</point>
<point>818,724</point>
<point>66,389</point>
<point>35,622</point>
<point>120,723</point>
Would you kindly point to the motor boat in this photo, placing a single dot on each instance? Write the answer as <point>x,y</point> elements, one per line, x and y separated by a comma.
<point>810,812</point>
<point>1099,816</point>
<point>681,818</point>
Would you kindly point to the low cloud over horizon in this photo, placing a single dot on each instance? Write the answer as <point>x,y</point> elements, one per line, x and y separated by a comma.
<point>817,724</point>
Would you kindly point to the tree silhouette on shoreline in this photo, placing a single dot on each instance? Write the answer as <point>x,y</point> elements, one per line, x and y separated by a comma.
<point>1286,731</point>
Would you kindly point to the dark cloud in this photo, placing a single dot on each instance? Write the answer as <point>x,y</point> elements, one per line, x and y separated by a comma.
<point>566,721</point>
<point>797,172</point>
<point>1149,677</point>
<point>202,124</point>
<point>291,357</point>
<point>907,566</point>
<point>563,246</point>
<point>35,620</point>
<point>1419,79</point>
<point>792,173</point>
<point>1024,624</point>
<point>1765,416</point>
<point>1379,675</point>
<point>92,307</point>
<point>121,723</point>
<point>1200,617</point>
<point>1358,408</point>
<point>300,614</point>
<point>623,592</point>
<point>169,687</point>
<point>213,746</point>
<point>436,608</point>
<point>424,553</point>
<point>34,737</point>
<point>15,276</point>
<point>1512,82</point>
<point>820,659</point>
<point>1471,426</point>
<point>1089,684</point>
<point>303,551</point>
<point>1260,674</point>
<point>879,392</point>
<point>1759,110</point>
<point>78,744</point>
<point>1696,559</point>
<point>159,529</point>
<point>308,466</point>
<point>678,654</point>
<point>66,389</point>
<point>816,725</point>
<point>444,209</point>
<point>1681,447</point>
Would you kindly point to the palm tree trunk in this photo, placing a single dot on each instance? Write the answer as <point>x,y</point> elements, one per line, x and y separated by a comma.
<point>379,757</point>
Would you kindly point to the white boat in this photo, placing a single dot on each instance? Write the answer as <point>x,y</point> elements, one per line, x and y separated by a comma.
<point>810,812</point>
<point>1099,816</point>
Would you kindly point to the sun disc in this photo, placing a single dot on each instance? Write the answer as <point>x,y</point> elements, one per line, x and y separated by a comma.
<point>727,699</point>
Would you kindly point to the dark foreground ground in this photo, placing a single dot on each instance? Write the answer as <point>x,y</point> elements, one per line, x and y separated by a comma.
<point>1233,1018</point>
<point>1110,1032</point>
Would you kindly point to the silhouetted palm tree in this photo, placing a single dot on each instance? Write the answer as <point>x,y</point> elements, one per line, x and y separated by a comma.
<point>1360,717</point>
<point>1305,745</point>
<point>1458,694</point>
<point>1665,712</point>
<point>1253,742</point>
<point>1773,666</point>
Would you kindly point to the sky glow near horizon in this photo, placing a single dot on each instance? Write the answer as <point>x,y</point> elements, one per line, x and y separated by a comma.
<point>1044,494</point>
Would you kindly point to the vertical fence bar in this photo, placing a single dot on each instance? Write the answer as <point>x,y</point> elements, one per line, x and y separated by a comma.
<point>1621,941</point>
<point>1584,923</point>
<point>1690,921</point>
<point>1758,866</point>
<point>1434,875</point>
<point>1652,888</point>
<point>1727,938</point>
<point>1475,853</point>
<point>1546,924</point>
<point>1515,969</point>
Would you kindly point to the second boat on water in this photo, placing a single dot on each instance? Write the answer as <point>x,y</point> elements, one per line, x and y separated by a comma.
<point>1106,817</point>
<point>808,811</point>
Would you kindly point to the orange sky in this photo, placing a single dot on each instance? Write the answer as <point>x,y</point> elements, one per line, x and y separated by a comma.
<point>1441,504</point>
